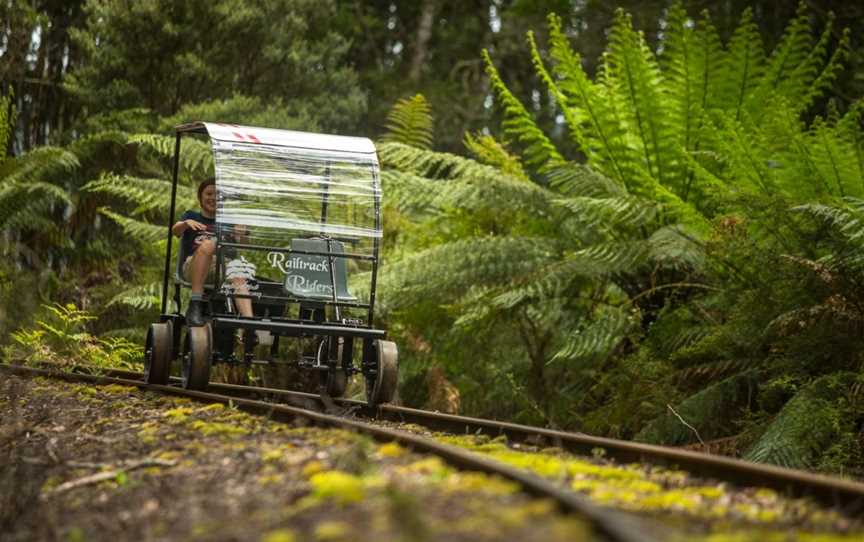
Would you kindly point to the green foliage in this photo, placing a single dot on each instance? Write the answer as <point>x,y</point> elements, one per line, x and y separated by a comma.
<point>711,412</point>
<point>805,427</point>
<point>410,123</point>
<point>61,337</point>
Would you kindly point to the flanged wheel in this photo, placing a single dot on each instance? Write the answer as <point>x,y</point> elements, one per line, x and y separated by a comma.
<point>197,354</point>
<point>381,387</point>
<point>158,353</point>
<point>335,380</point>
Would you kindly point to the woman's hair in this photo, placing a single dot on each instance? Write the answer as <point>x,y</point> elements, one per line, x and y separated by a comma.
<point>204,184</point>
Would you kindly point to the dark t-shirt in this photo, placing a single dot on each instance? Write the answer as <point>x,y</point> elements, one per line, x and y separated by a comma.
<point>192,239</point>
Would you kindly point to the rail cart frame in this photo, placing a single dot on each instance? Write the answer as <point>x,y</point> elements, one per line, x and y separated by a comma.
<point>320,316</point>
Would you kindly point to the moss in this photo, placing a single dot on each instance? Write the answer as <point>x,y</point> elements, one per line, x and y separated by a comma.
<point>217,428</point>
<point>119,389</point>
<point>431,467</point>
<point>391,449</point>
<point>177,415</point>
<point>279,535</point>
<point>333,531</point>
<point>517,515</point>
<point>338,486</point>
<point>312,468</point>
<point>212,407</point>
<point>147,433</point>
<point>476,482</point>
<point>272,455</point>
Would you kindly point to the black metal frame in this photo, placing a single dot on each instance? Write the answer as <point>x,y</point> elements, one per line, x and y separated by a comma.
<point>279,325</point>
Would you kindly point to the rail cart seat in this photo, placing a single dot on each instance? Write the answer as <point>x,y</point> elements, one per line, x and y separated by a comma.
<point>309,276</point>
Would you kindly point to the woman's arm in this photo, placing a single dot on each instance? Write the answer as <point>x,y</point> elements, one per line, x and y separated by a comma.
<point>182,225</point>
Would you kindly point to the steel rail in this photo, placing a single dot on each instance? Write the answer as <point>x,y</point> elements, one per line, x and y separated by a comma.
<point>614,525</point>
<point>844,495</point>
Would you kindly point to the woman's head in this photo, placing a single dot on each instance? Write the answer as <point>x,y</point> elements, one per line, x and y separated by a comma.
<point>207,196</point>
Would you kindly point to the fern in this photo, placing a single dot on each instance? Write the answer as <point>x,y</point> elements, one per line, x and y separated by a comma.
<point>410,122</point>
<point>745,65</point>
<point>136,229</point>
<point>490,152</point>
<point>631,73</point>
<point>196,157</point>
<point>142,297</point>
<point>597,340</point>
<point>709,411</point>
<point>539,151</point>
<point>805,426</point>
<point>147,195</point>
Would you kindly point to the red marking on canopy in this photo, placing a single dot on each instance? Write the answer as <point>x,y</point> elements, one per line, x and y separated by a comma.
<point>238,135</point>
<point>253,139</point>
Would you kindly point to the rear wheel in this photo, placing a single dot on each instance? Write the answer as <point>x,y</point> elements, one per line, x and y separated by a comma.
<point>197,355</point>
<point>381,387</point>
<point>158,353</point>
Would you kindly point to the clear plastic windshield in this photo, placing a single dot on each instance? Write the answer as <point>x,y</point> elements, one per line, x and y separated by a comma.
<point>282,210</point>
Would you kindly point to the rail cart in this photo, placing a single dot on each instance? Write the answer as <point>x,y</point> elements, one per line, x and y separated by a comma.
<point>297,215</point>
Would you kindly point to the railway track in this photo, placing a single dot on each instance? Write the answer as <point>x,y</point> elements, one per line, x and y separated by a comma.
<point>609,524</point>
<point>843,495</point>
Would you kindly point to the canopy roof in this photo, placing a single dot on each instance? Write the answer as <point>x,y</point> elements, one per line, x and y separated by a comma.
<point>283,138</point>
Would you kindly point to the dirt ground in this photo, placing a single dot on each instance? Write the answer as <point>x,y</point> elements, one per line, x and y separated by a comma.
<point>112,463</point>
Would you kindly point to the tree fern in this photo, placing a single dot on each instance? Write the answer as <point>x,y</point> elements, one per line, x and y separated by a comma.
<point>490,152</point>
<point>634,79</point>
<point>805,426</point>
<point>597,339</point>
<point>196,157</point>
<point>745,65</point>
<point>539,151</point>
<point>136,229</point>
<point>145,195</point>
<point>709,411</point>
<point>410,122</point>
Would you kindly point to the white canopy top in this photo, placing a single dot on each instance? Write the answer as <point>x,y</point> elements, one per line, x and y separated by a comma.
<point>284,138</point>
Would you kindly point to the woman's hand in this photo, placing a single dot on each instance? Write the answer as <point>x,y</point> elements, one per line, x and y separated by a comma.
<point>195,225</point>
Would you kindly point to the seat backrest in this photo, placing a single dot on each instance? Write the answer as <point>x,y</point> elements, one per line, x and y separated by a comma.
<point>308,276</point>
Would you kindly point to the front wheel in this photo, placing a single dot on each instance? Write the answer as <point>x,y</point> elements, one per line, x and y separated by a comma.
<point>381,386</point>
<point>158,353</point>
<point>197,355</point>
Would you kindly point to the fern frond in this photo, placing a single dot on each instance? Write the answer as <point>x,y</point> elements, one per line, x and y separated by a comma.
<point>778,80</point>
<point>631,72</point>
<point>446,271</point>
<point>136,229</point>
<point>410,122</point>
<point>574,179</point>
<point>408,192</point>
<point>803,428</point>
<point>434,165</point>
<point>143,297</point>
<point>518,124</point>
<point>709,411</point>
<point>196,157</point>
<point>829,73</point>
<point>40,164</point>
<point>598,338</point>
<point>603,135</point>
<point>675,247</point>
<point>147,195</point>
<point>611,213</point>
<point>28,205</point>
<point>745,66</point>
<point>490,152</point>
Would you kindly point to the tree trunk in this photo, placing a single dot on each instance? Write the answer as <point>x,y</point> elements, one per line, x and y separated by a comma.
<point>424,34</point>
